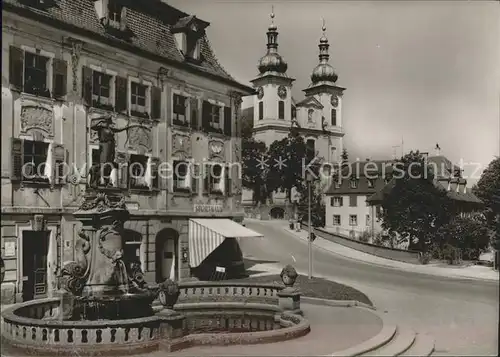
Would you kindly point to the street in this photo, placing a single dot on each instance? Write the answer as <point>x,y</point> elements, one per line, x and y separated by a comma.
<point>462,315</point>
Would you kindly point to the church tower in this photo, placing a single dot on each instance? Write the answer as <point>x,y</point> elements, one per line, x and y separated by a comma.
<point>323,88</point>
<point>273,102</point>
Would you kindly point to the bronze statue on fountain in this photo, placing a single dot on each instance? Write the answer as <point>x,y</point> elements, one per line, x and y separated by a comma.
<point>100,283</point>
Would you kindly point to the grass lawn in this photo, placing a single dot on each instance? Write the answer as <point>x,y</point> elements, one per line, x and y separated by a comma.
<point>318,288</point>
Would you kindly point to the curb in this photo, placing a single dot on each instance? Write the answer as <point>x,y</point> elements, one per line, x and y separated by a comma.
<point>373,343</point>
<point>443,275</point>
<point>336,303</point>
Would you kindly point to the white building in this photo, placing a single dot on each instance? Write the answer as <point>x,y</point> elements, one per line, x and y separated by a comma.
<point>318,116</point>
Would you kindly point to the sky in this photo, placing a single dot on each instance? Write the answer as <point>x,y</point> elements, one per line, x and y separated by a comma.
<point>417,73</point>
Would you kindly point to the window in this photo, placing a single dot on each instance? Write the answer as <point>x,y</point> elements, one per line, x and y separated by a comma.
<point>114,13</point>
<point>211,117</point>
<point>179,107</point>
<point>338,183</point>
<point>261,110</point>
<point>310,148</point>
<point>193,46</point>
<point>294,112</point>
<point>353,201</point>
<point>370,183</point>
<point>281,109</point>
<point>34,159</point>
<point>336,220</point>
<point>368,220</point>
<point>334,117</point>
<point>310,113</point>
<point>353,220</point>
<point>36,74</point>
<point>216,179</point>
<point>101,90</point>
<point>138,166</point>
<point>333,157</point>
<point>336,201</point>
<point>354,183</point>
<point>138,95</point>
<point>181,176</point>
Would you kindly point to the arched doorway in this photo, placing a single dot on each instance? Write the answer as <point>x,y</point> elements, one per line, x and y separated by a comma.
<point>167,255</point>
<point>277,213</point>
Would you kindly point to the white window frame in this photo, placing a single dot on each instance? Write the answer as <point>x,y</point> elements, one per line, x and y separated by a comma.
<point>371,183</point>
<point>188,179</point>
<point>353,184</point>
<point>221,106</point>
<point>222,183</point>
<point>338,201</point>
<point>48,159</point>
<point>140,81</point>
<point>112,86</point>
<point>39,52</point>
<point>339,222</point>
<point>113,23</point>
<point>147,183</point>
<point>353,222</point>
<point>188,105</point>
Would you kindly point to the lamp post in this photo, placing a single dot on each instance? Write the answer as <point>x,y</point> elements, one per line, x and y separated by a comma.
<point>309,179</point>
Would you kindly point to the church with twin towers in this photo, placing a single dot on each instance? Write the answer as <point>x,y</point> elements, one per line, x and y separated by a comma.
<point>318,116</point>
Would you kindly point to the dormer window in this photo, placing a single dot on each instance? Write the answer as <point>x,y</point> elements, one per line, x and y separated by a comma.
<point>114,13</point>
<point>188,32</point>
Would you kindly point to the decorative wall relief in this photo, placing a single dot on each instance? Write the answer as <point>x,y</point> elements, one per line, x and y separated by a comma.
<point>76,50</point>
<point>181,144</point>
<point>237,152</point>
<point>140,139</point>
<point>37,117</point>
<point>216,149</point>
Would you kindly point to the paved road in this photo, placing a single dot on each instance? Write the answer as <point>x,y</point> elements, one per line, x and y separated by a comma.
<point>462,315</point>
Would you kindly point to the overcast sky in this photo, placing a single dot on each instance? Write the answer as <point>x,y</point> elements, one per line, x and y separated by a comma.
<point>424,71</point>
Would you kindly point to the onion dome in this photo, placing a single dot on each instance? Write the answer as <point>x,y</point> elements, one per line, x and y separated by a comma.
<point>323,72</point>
<point>272,61</point>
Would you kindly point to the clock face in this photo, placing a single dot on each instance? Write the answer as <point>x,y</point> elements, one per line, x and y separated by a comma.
<point>260,92</point>
<point>335,100</point>
<point>282,92</point>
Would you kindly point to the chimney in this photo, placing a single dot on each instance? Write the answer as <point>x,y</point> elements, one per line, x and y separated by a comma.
<point>437,150</point>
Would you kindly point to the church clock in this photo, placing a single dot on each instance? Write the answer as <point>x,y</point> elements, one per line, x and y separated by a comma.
<point>260,92</point>
<point>335,100</point>
<point>282,92</point>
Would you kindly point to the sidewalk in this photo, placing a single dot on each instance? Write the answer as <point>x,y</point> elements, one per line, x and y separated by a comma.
<point>470,272</point>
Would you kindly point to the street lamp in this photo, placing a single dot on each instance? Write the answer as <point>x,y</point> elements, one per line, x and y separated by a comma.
<point>310,180</point>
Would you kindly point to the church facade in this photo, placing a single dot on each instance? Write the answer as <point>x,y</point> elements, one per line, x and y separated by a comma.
<point>318,116</point>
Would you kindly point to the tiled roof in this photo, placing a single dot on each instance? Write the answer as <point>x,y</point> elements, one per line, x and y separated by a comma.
<point>150,21</point>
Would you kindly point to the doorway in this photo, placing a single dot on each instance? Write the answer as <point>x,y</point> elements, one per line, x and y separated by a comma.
<point>277,213</point>
<point>167,255</point>
<point>35,251</point>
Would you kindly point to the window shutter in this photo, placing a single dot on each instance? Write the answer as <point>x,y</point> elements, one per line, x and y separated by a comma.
<point>195,177</point>
<point>206,179</point>
<point>228,121</point>
<point>155,103</point>
<point>16,67</point>
<point>205,116</point>
<point>58,160</point>
<point>121,100</point>
<point>16,172</point>
<point>194,112</point>
<point>87,85</point>
<point>156,184</point>
<point>59,77</point>
<point>122,159</point>
<point>228,183</point>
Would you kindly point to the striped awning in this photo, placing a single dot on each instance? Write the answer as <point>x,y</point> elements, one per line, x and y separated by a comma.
<point>206,234</point>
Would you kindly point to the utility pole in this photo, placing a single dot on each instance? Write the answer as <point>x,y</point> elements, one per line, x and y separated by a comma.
<point>310,231</point>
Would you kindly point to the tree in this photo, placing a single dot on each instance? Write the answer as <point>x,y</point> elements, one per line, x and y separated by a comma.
<point>488,190</point>
<point>254,173</point>
<point>291,151</point>
<point>318,209</point>
<point>414,208</point>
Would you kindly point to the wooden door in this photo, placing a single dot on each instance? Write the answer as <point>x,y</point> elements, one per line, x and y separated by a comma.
<point>35,251</point>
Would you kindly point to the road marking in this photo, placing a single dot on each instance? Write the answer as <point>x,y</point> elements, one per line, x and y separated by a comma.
<point>294,260</point>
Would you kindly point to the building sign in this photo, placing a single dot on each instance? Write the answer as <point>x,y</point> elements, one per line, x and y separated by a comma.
<point>208,208</point>
<point>10,249</point>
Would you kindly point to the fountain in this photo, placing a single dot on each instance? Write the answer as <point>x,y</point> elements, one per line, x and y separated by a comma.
<point>104,306</point>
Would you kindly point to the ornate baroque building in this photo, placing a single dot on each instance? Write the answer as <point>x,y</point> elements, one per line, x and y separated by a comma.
<point>318,116</point>
<point>67,62</point>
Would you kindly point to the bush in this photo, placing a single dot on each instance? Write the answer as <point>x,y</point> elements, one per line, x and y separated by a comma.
<point>467,236</point>
<point>365,237</point>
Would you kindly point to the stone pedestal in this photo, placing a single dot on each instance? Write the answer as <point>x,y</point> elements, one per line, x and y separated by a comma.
<point>172,330</point>
<point>289,300</point>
